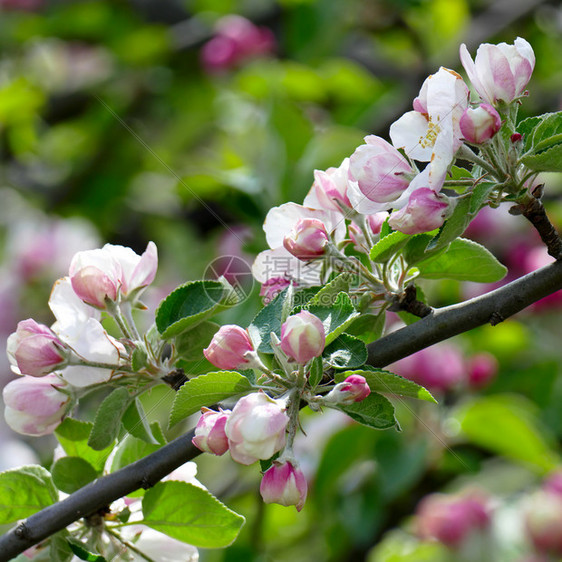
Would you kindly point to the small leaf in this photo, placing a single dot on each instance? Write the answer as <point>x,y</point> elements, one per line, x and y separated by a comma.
<point>336,318</point>
<point>108,419</point>
<point>24,491</point>
<point>139,358</point>
<point>190,344</point>
<point>132,449</point>
<point>329,293</point>
<point>73,436</point>
<point>189,305</point>
<point>368,327</point>
<point>72,473</point>
<point>465,260</point>
<point>418,248</point>
<point>83,552</point>
<point>266,321</point>
<point>136,423</point>
<point>380,380</point>
<point>345,352</point>
<point>316,372</point>
<point>388,246</point>
<point>548,159</point>
<point>375,411</point>
<point>190,514</point>
<point>206,390</point>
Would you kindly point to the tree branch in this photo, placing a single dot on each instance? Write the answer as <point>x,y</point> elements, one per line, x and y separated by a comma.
<point>443,323</point>
<point>493,307</point>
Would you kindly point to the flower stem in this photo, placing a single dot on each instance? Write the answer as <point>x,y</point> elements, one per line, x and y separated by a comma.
<point>129,545</point>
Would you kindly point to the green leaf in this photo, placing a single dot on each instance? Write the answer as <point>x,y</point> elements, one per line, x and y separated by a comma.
<point>24,491</point>
<point>375,411</point>
<point>316,372</point>
<point>136,423</point>
<point>83,552</point>
<point>507,425</point>
<point>380,380</point>
<point>418,249</point>
<point>465,260</point>
<point>368,327</point>
<point>139,358</point>
<point>189,305</point>
<point>329,293</point>
<point>206,390</point>
<point>108,419</point>
<point>266,321</point>
<point>132,449</point>
<point>527,129</point>
<point>72,473</point>
<point>190,344</point>
<point>388,246</point>
<point>336,318</point>
<point>480,194</point>
<point>73,436</point>
<point>59,551</point>
<point>547,157</point>
<point>190,514</point>
<point>345,352</point>
<point>543,142</point>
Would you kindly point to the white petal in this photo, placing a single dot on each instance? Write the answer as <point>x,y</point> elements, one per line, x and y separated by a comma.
<point>409,133</point>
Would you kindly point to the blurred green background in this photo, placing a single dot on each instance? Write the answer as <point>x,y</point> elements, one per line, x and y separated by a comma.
<point>115,128</point>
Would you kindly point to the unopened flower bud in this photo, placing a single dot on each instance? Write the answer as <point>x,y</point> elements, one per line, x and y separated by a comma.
<point>482,368</point>
<point>284,484</point>
<point>210,435</point>
<point>303,337</point>
<point>229,348</point>
<point>425,211</point>
<point>256,428</point>
<point>34,406</point>
<point>543,520</point>
<point>353,389</point>
<point>33,349</point>
<point>516,137</point>
<point>307,240</point>
<point>480,124</point>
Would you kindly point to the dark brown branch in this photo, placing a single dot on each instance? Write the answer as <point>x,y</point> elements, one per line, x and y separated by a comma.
<point>443,323</point>
<point>408,302</point>
<point>493,308</point>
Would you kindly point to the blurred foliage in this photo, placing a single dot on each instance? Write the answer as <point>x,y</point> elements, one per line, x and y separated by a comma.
<point>107,113</point>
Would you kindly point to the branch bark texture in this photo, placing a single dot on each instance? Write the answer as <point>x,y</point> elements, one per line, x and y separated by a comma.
<point>493,307</point>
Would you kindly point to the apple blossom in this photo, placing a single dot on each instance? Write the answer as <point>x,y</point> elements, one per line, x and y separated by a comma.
<point>499,72</point>
<point>229,348</point>
<point>480,124</point>
<point>284,484</point>
<point>329,189</point>
<point>380,173</point>
<point>97,275</point>
<point>33,349</point>
<point>431,133</point>
<point>353,389</point>
<point>209,432</point>
<point>34,406</point>
<point>307,240</point>
<point>256,428</point>
<point>425,211</point>
<point>303,337</point>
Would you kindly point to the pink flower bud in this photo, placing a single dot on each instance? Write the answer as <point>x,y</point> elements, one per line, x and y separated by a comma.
<point>272,287</point>
<point>307,240</point>
<point>450,519</point>
<point>482,368</point>
<point>516,137</point>
<point>210,436</point>
<point>425,211</point>
<point>381,172</point>
<point>499,72</point>
<point>229,348</point>
<point>543,520</point>
<point>256,428</point>
<point>553,484</point>
<point>284,484</point>
<point>353,389</point>
<point>34,349</point>
<point>303,337</point>
<point>34,406</point>
<point>480,124</point>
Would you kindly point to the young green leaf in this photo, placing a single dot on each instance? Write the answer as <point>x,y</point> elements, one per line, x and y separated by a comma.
<point>189,305</point>
<point>190,514</point>
<point>72,473</point>
<point>380,380</point>
<point>316,372</point>
<point>367,327</point>
<point>345,352</point>
<point>24,491</point>
<point>336,318</point>
<point>136,423</point>
<point>266,321</point>
<point>108,419</point>
<point>132,449</point>
<point>375,411</point>
<point>206,390</point>
<point>73,436</point>
<point>386,247</point>
<point>465,260</point>
<point>83,552</point>
<point>329,293</point>
<point>190,344</point>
